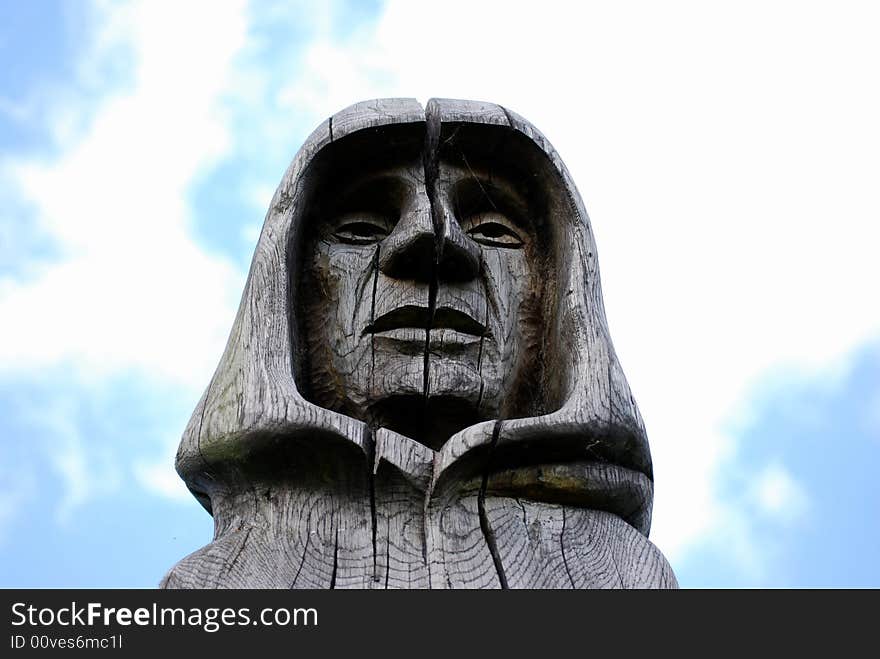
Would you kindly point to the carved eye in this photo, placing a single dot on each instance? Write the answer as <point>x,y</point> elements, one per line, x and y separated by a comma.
<point>361,232</point>
<point>493,230</point>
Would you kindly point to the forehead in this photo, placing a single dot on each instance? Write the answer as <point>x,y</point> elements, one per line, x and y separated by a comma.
<point>473,158</point>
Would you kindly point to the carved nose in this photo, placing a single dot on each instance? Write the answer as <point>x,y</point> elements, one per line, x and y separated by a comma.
<point>410,250</point>
<point>460,260</point>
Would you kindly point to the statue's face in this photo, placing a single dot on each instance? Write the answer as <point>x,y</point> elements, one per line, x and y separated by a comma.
<point>388,325</point>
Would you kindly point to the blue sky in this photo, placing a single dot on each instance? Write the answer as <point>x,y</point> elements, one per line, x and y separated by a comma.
<point>727,156</point>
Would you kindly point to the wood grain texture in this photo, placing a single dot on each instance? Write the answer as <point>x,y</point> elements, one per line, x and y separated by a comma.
<point>419,389</point>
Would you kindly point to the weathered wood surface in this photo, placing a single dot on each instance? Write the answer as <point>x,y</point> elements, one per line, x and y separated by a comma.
<point>419,389</point>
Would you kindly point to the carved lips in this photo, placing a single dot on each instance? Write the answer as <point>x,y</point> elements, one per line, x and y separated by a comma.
<point>409,322</point>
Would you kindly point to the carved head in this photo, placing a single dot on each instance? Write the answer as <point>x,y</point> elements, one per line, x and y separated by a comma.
<point>423,276</point>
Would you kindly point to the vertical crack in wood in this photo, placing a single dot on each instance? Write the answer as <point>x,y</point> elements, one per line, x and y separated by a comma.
<point>227,569</point>
<point>370,432</point>
<point>562,547</point>
<point>330,127</point>
<point>335,558</point>
<point>372,320</point>
<point>486,528</point>
<point>482,336</point>
<point>387,551</point>
<point>305,550</point>
<point>371,476</point>
<point>431,164</point>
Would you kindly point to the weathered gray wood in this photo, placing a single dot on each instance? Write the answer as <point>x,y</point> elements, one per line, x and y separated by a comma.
<point>419,389</point>
<point>403,470</point>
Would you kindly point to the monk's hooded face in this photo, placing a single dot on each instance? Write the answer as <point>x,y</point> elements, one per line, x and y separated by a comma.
<point>421,298</point>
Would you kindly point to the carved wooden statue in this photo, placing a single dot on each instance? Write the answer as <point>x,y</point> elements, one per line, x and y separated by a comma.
<point>419,390</point>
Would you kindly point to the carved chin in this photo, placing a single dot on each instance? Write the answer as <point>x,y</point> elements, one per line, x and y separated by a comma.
<point>452,379</point>
<point>448,377</point>
<point>398,365</point>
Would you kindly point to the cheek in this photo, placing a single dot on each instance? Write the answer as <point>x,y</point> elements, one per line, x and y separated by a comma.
<point>508,284</point>
<point>343,275</point>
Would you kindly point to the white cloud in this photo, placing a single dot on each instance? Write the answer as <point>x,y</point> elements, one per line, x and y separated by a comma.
<point>83,470</point>
<point>20,486</point>
<point>132,292</point>
<point>728,159</point>
<point>871,418</point>
<point>754,516</point>
<point>132,288</point>
<point>85,473</point>
<point>778,496</point>
<point>159,478</point>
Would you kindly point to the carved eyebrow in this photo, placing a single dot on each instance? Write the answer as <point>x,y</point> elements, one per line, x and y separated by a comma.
<point>375,194</point>
<point>474,194</point>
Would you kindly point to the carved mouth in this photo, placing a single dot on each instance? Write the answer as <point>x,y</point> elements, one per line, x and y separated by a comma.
<point>411,316</point>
